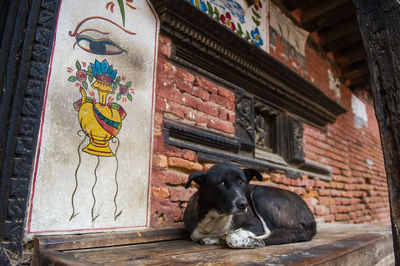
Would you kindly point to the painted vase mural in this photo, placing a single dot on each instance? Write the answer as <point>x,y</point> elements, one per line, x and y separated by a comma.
<point>101,121</point>
<point>93,159</point>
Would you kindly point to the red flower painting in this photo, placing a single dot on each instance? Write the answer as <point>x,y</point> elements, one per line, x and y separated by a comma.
<point>227,20</point>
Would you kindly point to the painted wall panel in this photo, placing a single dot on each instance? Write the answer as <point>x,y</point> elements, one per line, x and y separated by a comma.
<point>247,18</point>
<point>92,169</point>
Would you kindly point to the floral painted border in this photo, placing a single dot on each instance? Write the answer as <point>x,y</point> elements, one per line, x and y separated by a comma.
<point>226,19</point>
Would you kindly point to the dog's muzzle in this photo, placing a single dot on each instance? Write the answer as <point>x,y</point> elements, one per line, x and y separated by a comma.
<point>241,204</point>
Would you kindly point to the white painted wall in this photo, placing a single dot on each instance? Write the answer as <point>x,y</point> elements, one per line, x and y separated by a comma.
<point>68,181</point>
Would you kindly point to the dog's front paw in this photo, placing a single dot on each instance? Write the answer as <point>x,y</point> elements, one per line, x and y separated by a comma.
<point>243,239</point>
<point>210,241</point>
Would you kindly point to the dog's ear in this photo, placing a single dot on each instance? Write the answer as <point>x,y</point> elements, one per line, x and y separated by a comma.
<point>198,177</point>
<point>250,173</point>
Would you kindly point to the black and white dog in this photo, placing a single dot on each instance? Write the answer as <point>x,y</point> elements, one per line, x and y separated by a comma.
<point>226,209</point>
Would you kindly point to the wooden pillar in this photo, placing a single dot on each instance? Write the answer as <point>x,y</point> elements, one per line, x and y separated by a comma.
<point>379,22</point>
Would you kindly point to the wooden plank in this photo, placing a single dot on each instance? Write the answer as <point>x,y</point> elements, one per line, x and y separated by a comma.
<point>349,55</point>
<point>355,70</point>
<point>341,42</point>
<point>294,4</point>
<point>329,243</point>
<point>361,81</point>
<point>68,242</point>
<point>60,259</point>
<point>306,253</point>
<point>379,22</point>
<point>324,13</point>
<point>338,31</point>
<point>143,252</point>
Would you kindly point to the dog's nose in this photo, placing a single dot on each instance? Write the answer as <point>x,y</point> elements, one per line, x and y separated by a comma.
<point>241,204</point>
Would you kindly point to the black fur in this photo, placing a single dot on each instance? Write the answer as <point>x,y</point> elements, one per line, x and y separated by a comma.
<point>225,189</point>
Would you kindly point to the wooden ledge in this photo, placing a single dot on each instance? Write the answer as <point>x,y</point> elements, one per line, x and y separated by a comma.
<point>334,244</point>
<point>112,239</point>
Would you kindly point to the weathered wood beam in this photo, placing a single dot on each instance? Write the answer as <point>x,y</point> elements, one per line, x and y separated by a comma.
<point>360,88</point>
<point>360,81</point>
<point>340,42</point>
<point>294,4</point>
<point>332,38</point>
<point>356,70</point>
<point>379,22</point>
<point>349,55</point>
<point>325,13</point>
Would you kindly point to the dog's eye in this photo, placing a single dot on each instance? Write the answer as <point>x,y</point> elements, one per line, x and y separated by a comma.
<point>221,184</point>
<point>241,182</point>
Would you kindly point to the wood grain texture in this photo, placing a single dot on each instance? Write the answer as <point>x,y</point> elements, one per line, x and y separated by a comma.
<point>347,244</point>
<point>71,242</point>
<point>380,30</point>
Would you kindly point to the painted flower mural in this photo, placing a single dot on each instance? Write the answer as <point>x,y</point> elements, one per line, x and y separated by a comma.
<point>255,34</point>
<point>83,175</point>
<point>257,5</point>
<point>231,6</point>
<point>101,121</point>
<point>227,20</point>
<point>200,4</point>
<point>246,18</point>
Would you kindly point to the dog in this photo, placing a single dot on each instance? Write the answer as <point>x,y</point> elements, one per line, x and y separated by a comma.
<point>226,209</point>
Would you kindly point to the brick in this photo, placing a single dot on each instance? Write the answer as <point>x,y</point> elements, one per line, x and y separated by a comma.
<point>180,193</point>
<point>207,108</point>
<point>321,210</point>
<point>296,182</point>
<point>160,192</point>
<point>329,218</point>
<point>167,209</point>
<point>311,194</point>
<point>160,161</point>
<point>226,94</point>
<point>222,101</point>
<point>220,125</point>
<point>276,178</point>
<point>165,149</point>
<point>184,164</point>
<point>185,75</point>
<point>286,180</point>
<point>205,84</point>
<point>189,155</point>
<point>299,190</point>
<point>324,192</point>
<point>231,117</point>
<point>162,177</point>
<point>342,217</point>
<point>198,117</point>
<point>223,114</point>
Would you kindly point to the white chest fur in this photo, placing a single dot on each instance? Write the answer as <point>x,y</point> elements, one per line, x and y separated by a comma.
<point>213,225</point>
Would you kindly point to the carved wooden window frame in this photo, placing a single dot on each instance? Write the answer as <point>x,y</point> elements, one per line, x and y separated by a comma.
<point>207,47</point>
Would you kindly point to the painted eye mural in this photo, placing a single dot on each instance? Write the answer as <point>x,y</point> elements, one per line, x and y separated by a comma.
<point>98,46</point>
<point>99,120</point>
<point>95,41</point>
<point>93,158</point>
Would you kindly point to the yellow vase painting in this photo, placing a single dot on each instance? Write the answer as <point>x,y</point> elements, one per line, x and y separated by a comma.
<point>101,121</point>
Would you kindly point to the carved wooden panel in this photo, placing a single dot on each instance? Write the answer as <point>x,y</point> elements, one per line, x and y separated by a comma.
<point>201,43</point>
<point>245,126</point>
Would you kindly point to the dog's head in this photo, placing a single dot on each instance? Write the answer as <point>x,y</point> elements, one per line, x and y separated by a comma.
<point>223,187</point>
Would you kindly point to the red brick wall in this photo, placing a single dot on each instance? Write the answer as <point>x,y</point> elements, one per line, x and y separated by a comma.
<point>357,192</point>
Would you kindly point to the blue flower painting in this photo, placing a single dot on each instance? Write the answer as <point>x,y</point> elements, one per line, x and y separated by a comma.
<point>231,6</point>
<point>103,69</point>
<point>200,4</point>
<point>255,34</point>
